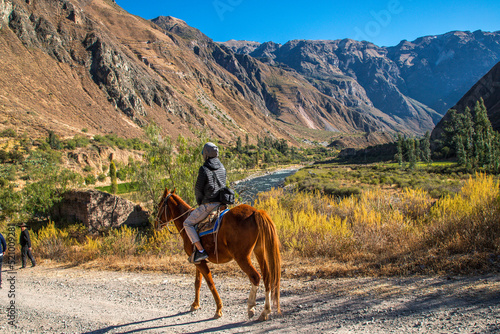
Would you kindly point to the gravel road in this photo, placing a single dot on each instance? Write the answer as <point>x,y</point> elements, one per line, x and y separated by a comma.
<point>71,300</point>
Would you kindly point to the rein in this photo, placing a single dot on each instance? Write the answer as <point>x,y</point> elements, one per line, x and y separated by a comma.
<point>164,207</point>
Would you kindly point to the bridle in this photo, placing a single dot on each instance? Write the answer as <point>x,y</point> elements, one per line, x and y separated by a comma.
<point>163,208</point>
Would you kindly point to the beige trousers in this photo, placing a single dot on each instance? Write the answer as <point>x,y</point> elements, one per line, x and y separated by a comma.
<point>195,217</point>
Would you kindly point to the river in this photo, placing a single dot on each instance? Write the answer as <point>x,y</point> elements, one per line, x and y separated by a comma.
<point>248,189</point>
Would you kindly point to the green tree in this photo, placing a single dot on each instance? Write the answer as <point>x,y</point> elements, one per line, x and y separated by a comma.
<point>496,153</point>
<point>151,173</point>
<point>112,175</point>
<point>412,156</point>
<point>463,137</point>
<point>53,141</point>
<point>425,148</point>
<point>483,137</point>
<point>186,165</point>
<point>45,188</point>
<point>239,147</point>
<point>399,154</point>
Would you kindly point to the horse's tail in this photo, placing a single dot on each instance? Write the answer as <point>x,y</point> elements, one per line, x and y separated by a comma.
<point>270,245</point>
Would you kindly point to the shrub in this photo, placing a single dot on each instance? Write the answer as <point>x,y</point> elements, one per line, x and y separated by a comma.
<point>90,179</point>
<point>76,141</point>
<point>8,133</point>
<point>121,174</point>
<point>399,229</point>
<point>120,242</point>
<point>51,242</point>
<point>4,156</point>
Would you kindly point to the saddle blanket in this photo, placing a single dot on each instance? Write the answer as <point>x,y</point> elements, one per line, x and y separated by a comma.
<point>210,224</point>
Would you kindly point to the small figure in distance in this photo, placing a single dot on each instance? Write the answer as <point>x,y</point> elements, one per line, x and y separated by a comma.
<point>25,242</point>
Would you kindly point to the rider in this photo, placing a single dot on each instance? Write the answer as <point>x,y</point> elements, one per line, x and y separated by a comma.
<point>206,192</point>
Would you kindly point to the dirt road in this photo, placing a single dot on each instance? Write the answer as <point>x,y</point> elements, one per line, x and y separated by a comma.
<point>72,300</point>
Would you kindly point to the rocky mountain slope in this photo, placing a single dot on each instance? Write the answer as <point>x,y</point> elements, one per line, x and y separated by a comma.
<point>487,88</point>
<point>69,65</point>
<point>414,83</point>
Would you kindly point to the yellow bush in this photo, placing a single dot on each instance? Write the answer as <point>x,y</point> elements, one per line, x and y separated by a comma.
<point>468,221</point>
<point>477,194</point>
<point>51,242</point>
<point>122,242</point>
<point>162,243</point>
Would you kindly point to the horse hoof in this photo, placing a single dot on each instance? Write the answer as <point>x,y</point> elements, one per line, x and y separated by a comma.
<point>194,308</point>
<point>264,317</point>
<point>251,314</point>
<point>218,314</point>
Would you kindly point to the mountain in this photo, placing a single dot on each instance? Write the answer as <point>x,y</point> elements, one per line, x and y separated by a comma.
<point>414,83</point>
<point>487,88</point>
<point>73,65</point>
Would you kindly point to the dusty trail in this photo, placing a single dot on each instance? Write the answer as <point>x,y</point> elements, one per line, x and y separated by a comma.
<point>73,300</point>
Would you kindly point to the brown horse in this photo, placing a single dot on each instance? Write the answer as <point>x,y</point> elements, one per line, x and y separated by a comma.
<point>243,230</point>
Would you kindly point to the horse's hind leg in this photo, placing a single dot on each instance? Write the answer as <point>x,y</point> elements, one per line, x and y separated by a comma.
<point>263,267</point>
<point>197,286</point>
<point>205,271</point>
<point>267,307</point>
<point>252,301</point>
<point>247,267</point>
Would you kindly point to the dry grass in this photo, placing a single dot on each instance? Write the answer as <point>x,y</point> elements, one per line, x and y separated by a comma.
<point>371,234</point>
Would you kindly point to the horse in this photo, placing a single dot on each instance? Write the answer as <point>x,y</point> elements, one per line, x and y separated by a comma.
<point>243,230</point>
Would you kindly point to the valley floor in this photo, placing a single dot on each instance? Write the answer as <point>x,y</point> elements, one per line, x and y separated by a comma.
<point>57,299</point>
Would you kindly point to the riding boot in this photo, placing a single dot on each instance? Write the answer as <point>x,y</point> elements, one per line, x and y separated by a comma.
<point>197,256</point>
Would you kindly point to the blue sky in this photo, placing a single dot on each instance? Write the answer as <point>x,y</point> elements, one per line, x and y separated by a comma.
<point>384,23</point>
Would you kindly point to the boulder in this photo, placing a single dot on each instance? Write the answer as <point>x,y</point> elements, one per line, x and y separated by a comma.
<point>99,210</point>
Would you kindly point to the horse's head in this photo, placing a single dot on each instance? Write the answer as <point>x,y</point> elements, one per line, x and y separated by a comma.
<point>171,209</point>
<point>163,215</point>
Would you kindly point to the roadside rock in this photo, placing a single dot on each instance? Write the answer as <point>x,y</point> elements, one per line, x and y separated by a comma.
<point>99,210</point>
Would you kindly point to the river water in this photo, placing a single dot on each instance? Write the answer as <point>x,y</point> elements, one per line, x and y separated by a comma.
<point>250,188</point>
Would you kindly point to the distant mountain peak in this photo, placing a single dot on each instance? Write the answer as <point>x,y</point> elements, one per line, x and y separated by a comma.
<point>180,28</point>
<point>241,47</point>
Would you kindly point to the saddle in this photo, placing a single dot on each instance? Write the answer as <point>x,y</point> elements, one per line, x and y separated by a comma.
<point>211,223</point>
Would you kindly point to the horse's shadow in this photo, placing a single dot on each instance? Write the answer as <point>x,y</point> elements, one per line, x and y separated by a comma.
<point>122,328</point>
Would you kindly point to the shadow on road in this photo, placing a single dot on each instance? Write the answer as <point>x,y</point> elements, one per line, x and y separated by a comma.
<point>123,328</point>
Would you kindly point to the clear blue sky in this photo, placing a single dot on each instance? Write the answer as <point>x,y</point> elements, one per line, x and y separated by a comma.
<point>384,23</point>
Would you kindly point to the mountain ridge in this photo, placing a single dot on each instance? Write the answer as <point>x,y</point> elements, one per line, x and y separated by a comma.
<point>69,65</point>
<point>423,77</point>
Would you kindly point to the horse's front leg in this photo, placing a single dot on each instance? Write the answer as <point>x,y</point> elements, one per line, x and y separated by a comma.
<point>205,271</point>
<point>197,286</point>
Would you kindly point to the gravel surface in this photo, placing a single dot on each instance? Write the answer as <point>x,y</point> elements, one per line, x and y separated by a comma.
<point>73,300</point>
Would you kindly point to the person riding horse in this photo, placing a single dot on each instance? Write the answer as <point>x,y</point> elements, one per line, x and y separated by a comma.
<point>211,177</point>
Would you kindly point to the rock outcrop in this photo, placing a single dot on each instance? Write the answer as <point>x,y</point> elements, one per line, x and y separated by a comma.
<point>99,210</point>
